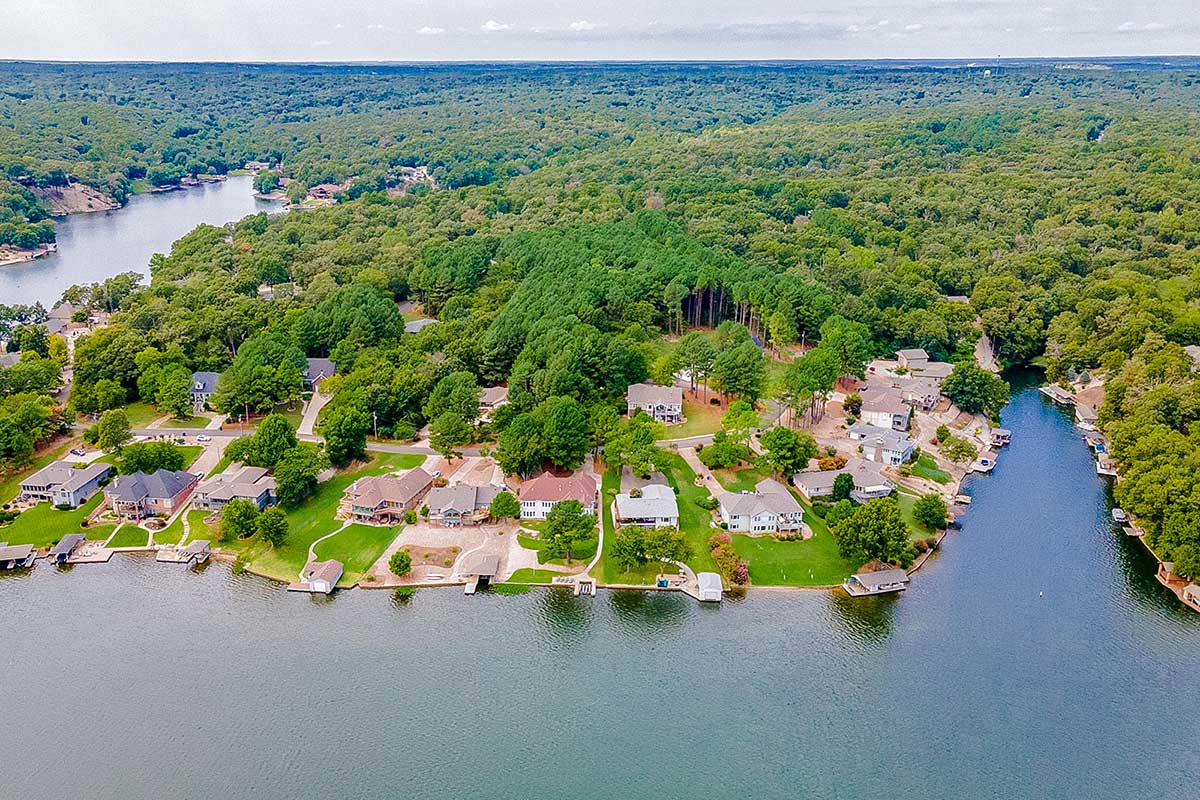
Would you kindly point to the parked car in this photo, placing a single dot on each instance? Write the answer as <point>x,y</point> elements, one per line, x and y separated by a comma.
<point>78,451</point>
<point>204,437</point>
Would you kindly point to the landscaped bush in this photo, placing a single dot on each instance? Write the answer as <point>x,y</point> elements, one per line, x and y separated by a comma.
<point>63,507</point>
<point>831,462</point>
<point>400,563</point>
<point>718,539</point>
<point>708,502</point>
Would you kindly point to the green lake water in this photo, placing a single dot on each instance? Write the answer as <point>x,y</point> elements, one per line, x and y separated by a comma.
<point>1034,657</point>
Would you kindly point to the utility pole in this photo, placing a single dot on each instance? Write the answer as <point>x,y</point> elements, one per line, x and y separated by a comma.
<point>375,423</point>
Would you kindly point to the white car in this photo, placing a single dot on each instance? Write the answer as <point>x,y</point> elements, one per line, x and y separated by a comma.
<point>204,437</point>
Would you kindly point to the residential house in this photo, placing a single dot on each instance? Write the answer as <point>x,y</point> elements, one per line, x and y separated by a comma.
<point>418,325</point>
<point>911,359</point>
<point>885,408</point>
<point>204,386</point>
<point>237,483</point>
<point>159,493</point>
<point>460,504</point>
<point>325,191</point>
<point>869,481</point>
<point>1087,405</point>
<point>919,392</point>
<point>770,508</point>
<point>384,499</point>
<point>493,397</point>
<point>882,445</point>
<point>317,370</point>
<point>540,495</point>
<point>61,483</point>
<point>60,317</point>
<point>322,576</point>
<point>663,403</point>
<point>653,506</point>
<point>1193,352</point>
<point>935,370</point>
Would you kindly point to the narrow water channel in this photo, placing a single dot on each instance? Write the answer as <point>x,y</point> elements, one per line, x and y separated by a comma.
<point>95,246</point>
<point>1035,656</point>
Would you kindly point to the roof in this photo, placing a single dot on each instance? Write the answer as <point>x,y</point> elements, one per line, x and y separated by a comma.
<point>485,564</point>
<point>14,552</point>
<point>710,580</point>
<point>881,577</point>
<point>66,544</point>
<point>493,395</point>
<point>328,571</point>
<point>8,359</point>
<point>248,482</point>
<point>373,491</point>
<point>866,475</point>
<point>885,437</point>
<point>657,500</point>
<point>650,394</point>
<point>62,311</point>
<point>1193,351</point>
<point>195,547</point>
<point>461,497</point>
<point>769,496</point>
<point>418,325</point>
<point>64,474</point>
<point>887,401</point>
<point>938,370</point>
<point>158,485</point>
<point>550,488</point>
<point>913,354</point>
<point>205,382</point>
<point>1001,432</point>
<point>319,369</point>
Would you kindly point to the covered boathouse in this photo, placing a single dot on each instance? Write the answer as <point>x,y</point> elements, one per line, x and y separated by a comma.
<point>883,581</point>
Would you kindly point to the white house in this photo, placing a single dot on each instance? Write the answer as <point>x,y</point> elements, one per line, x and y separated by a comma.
<point>204,386</point>
<point>885,408</point>
<point>663,403</point>
<point>869,481</point>
<point>882,445</point>
<point>656,507</point>
<point>768,509</point>
<point>544,492</point>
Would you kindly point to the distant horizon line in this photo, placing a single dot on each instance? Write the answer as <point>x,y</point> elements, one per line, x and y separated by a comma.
<point>983,60</point>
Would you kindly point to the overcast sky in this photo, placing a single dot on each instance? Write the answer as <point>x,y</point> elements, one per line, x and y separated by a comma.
<point>403,30</point>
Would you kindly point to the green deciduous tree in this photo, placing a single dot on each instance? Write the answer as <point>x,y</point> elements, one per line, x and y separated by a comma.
<point>112,431</point>
<point>874,531</point>
<point>345,431</point>
<point>273,525</point>
<point>930,511</point>
<point>566,525</point>
<point>400,563</point>
<point>150,457</point>
<point>504,506</point>
<point>296,473</point>
<point>975,390</point>
<point>239,520</point>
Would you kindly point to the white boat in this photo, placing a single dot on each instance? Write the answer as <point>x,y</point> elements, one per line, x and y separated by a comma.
<point>1119,515</point>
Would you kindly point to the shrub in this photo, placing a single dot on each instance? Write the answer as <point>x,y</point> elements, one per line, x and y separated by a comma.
<point>708,502</point>
<point>831,462</point>
<point>410,517</point>
<point>400,563</point>
<point>719,539</point>
<point>63,507</point>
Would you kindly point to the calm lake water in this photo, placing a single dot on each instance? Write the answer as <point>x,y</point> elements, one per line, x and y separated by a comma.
<point>95,246</point>
<point>1034,657</point>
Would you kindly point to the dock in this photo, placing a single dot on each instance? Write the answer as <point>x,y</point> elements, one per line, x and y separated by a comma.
<point>1058,394</point>
<point>884,581</point>
<point>195,552</point>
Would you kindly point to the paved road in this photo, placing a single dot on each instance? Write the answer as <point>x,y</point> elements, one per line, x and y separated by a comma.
<point>190,434</point>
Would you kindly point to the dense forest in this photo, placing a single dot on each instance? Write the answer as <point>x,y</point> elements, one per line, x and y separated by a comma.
<point>584,212</point>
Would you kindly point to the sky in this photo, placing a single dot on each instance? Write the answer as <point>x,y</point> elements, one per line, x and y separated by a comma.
<point>535,30</point>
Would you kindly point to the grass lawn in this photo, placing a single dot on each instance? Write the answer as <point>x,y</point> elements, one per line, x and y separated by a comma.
<point>582,552</point>
<point>700,418</point>
<point>315,518</point>
<point>610,571</point>
<point>357,547</point>
<point>43,525</point>
<point>926,467</point>
<point>10,486</point>
<point>141,414</point>
<point>815,562</point>
<point>294,415</point>
<point>174,532</point>
<point>190,422</point>
<point>741,479</point>
<point>130,536</point>
<point>906,501</point>
<point>528,575</point>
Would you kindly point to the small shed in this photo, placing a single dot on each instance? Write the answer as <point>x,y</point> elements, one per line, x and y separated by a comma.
<point>482,565</point>
<point>323,576</point>
<point>65,547</point>
<point>711,587</point>
<point>879,582</point>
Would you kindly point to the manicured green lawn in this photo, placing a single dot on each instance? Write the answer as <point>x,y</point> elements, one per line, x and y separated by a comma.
<point>906,501</point>
<point>699,418</point>
<point>357,547</point>
<point>315,518</point>
<point>528,575</point>
<point>926,467</point>
<point>174,532</point>
<point>294,414</point>
<point>190,422</point>
<point>10,485</point>
<point>130,536</point>
<point>815,562</point>
<point>741,479</point>
<point>141,414</point>
<point>582,552</point>
<point>43,525</point>
<point>610,571</point>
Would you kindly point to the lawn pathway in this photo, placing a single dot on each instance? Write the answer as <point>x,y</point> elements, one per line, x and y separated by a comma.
<point>114,533</point>
<point>312,548</point>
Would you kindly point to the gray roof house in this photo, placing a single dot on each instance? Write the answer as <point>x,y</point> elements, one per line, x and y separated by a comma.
<point>869,481</point>
<point>919,392</point>
<point>460,504</point>
<point>204,386</point>
<point>885,408</point>
<point>663,403</point>
<point>912,358</point>
<point>935,370</point>
<point>768,509</point>
<point>656,507</point>
<point>236,483</point>
<point>140,495</point>
<point>317,370</point>
<point>61,483</point>
<point>882,445</point>
<point>493,396</point>
<point>418,325</point>
<point>383,499</point>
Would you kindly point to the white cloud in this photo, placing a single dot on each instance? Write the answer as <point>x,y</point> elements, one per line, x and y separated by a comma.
<point>430,30</point>
<point>913,27</point>
<point>492,26</point>
<point>852,29</point>
<point>1126,26</point>
<point>582,25</point>
<point>883,23</point>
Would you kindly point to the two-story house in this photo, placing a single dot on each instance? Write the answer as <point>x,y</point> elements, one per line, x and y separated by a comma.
<point>663,403</point>
<point>770,508</point>
<point>540,495</point>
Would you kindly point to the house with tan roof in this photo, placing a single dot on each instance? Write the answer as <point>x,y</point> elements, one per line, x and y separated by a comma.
<point>885,408</point>
<point>869,481</point>
<point>662,403</point>
<point>770,508</point>
<point>236,483</point>
<point>384,499</point>
<point>540,495</point>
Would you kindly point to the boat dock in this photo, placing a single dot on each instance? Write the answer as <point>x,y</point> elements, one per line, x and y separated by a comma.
<point>195,552</point>
<point>1058,394</point>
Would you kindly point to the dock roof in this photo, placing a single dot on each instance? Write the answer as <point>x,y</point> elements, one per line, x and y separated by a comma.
<point>881,577</point>
<point>329,571</point>
<point>15,552</point>
<point>483,564</point>
<point>66,545</point>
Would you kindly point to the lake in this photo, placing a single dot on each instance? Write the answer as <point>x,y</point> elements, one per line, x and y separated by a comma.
<point>1035,656</point>
<point>98,245</point>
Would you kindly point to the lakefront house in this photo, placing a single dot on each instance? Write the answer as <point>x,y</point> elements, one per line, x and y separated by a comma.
<point>63,484</point>
<point>159,493</point>
<point>543,493</point>
<point>770,508</point>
